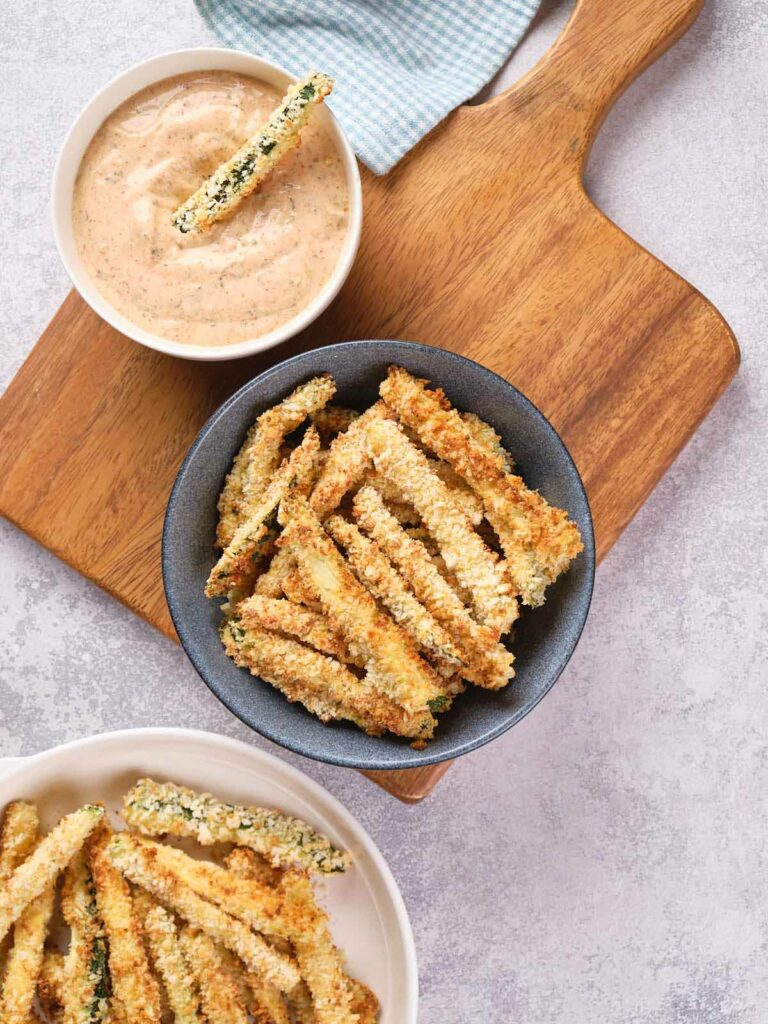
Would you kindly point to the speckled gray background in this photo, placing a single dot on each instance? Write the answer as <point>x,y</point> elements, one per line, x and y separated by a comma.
<point>606,860</point>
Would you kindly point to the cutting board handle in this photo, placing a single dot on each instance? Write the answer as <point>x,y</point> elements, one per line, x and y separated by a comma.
<point>605,45</point>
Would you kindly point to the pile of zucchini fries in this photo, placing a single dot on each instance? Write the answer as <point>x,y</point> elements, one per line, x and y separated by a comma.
<point>157,934</point>
<point>375,566</point>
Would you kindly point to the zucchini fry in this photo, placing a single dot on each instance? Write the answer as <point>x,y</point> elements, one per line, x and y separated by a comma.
<point>490,661</point>
<point>487,438</point>
<point>347,462</point>
<point>252,536</point>
<point>283,616</point>
<point>219,993</point>
<point>86,978</point>
<point>323,685</point>
<point>256,905</point>
<point>141,865</point>
<point>376,573</point>
<point>156,808</point>
<point>406,678</point>
<point>32,877</point>
<point>248,864</point>
<point>318,958</point>
<point>50,985</point>
<point>18,836</point>
<point>166,954</point>
<point>333,420</point>
<point>270,582</point>
<point>363,1002</point>
<point>25,959</point>
<point>475,565</point>
<point>221,194</point>
<point>259,457</point>
<point>133,983</point>
<point>539,541</point>
<point>298,591</point>
<point>268,1005</point>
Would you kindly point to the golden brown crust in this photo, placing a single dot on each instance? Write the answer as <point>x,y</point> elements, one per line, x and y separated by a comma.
<point>25,959</point>
<point>282,616</point>
<point>490,663</point>
<point>133,983</point>
<point>323,685</point>
<point>18,836</point>
<point>465,553</point>
<point>406,678</point>
<point>346,464</point>
<point>378,576</point>
<point>260,455</point>
<point>219,993</point>
<point>539,541</point>
<point>254,534</point>
<point>48,859</point>
<point>144,864</point>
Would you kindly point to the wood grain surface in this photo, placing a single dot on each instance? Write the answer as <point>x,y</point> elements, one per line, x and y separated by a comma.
<point>482,241</point>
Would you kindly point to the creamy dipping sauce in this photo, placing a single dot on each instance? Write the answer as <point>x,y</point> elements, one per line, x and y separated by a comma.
<point>246,276</point>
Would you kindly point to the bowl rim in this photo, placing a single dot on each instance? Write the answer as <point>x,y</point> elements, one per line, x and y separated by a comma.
<point>314,792</point>
<point>420,759</point>
<point>87,122</point>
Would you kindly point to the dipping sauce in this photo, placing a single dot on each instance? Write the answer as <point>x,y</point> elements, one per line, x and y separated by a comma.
<point>249,274</point>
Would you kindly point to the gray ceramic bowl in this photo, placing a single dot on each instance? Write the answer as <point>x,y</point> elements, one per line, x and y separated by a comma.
<point>545,638</point>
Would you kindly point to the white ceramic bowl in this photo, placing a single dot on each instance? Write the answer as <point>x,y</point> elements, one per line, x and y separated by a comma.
<point>138,77</point>
<point>369,920</point>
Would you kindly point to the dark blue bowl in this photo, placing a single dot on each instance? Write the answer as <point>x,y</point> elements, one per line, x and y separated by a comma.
<point>544,638</point>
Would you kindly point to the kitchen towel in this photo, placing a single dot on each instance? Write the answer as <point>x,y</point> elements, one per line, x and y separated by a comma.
<point>400,65</point>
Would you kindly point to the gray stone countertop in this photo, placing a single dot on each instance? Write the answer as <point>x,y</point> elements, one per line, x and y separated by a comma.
<point>605,861</point>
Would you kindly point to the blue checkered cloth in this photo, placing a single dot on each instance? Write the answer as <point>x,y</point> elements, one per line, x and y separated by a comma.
<point>400,65</point>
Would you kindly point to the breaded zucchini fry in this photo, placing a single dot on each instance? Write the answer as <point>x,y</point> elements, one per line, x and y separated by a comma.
<point>167,956</point>
<point>283,616</point>
<point>258,459</point>
<point>156,808</point>
<point>387,649</point>
<point>221,194</point>
<point>347,462</point>
<point>25,959</point>
<point>87,982</point>
<point>267,1005</point>
<point>50,985</point>
<point>32,877</point>
<point>270,582</point>
<point>318,958</point>
<point>539,541</point>
<point>323,685</point>
<point>487,438</point>
<point>298,591</point>
<point>248,543</point>
<point>246,863</point>
<point>376,573</point>
<point>490,661</point>
<point>465,553</point>
<point>219,993</point>
<point>363,1002</point>
<point>133,983</point>
<point>333,420</point>
<point>141,864</point>
<point>256,905</point>
<point>18,836</point>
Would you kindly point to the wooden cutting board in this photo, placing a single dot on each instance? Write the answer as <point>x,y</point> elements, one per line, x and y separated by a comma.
<point>482,241</point>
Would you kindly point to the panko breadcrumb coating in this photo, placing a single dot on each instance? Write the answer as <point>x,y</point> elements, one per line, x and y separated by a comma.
<point>163,808</point>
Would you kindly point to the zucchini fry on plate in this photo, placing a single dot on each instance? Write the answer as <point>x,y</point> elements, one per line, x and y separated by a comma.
<point>231,183</point>
<point>156,808</point>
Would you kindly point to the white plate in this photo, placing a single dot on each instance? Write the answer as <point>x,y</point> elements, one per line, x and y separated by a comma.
<point>369,920</point>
